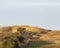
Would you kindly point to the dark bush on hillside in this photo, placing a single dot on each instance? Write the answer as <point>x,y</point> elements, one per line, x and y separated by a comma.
<point>21,39</point>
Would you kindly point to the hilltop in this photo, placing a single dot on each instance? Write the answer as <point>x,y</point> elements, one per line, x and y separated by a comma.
<point>28,28</point>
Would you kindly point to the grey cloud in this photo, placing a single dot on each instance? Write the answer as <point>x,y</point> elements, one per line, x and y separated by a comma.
<point>34,0</point>
<point>13,11</point>
<point>27,3</point>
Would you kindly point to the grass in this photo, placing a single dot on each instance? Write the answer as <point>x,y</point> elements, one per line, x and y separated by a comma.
<point>51,46</point>
<point>38,43</point>
<point>34,44</point>
<point>43,44</point>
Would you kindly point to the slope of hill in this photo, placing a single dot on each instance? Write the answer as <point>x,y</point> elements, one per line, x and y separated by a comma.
<point>52,36</point>
<point>28,28</point>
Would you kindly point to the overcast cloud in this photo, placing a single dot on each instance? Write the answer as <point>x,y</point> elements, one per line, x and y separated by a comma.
<point>44,13</point>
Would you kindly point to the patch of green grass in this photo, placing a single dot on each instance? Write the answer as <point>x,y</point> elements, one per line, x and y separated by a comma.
<point>38,43</point>
<point>43,44</point>
<point>51,46</point>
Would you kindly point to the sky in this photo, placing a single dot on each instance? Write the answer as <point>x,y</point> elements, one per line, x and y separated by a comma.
<point>41,13</point>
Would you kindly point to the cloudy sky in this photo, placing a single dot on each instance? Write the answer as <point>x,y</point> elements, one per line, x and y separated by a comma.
<point>41,13</point>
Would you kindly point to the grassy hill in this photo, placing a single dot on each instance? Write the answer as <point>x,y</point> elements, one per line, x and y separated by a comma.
<point>46,38</point>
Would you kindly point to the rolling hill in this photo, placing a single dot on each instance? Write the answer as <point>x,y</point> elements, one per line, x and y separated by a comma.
<point>44,38</point>
<point>46,35</point>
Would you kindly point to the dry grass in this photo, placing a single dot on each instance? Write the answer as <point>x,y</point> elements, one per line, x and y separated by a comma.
<point>45,39</point>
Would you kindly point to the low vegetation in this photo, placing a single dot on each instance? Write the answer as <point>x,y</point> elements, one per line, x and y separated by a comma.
<point>40,39</point>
